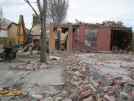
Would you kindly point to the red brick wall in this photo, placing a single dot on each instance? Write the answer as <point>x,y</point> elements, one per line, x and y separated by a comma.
<point>103,42</point>
<point>78,37</point>
<point>82,33</point>
<point>74,40</point>
<point>104,39</point>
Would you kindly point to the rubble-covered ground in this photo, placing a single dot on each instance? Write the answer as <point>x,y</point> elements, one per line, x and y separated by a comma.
<point>110,65</point>
<point>113,74</point>
<point>35,80</point>
<point>70,77</point>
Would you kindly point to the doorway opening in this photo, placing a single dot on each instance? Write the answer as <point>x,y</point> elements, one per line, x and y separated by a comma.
<point>121,40</point>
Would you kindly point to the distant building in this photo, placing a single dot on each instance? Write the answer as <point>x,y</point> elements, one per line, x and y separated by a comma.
<point>3,33</point>
<point>4,23</point>
<point>13,31</point>
<point>101,37</point>
<point>16,33</point>
<point>98,37</point>
<point>36,32</point>
<point>107,36</point>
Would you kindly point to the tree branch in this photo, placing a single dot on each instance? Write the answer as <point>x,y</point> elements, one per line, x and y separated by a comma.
<point>28,2</point>
<point>39,6</point>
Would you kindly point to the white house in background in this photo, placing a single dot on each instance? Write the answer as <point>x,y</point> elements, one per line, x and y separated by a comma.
<point>4,23</point>
<point>3,33</point>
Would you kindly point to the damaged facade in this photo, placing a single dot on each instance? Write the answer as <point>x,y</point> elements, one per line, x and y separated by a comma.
<point>90,37</point>
<point>108,36</point>
<point>101,38</point>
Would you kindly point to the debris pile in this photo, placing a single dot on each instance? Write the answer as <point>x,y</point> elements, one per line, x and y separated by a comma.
<point>88,77</point>
<point>34,89</point>
<point>48,93</point>
<point>35,65</point>
<point>110,75</point>
<point>77,80</point>
<point>30,66</point>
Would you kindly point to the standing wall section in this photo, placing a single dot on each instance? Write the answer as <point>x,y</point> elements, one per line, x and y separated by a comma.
<point>104,39</point>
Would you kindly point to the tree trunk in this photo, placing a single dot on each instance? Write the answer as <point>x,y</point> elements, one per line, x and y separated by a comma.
<point>43,51</point>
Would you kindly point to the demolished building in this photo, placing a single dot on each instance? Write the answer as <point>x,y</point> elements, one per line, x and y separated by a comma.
<point>100,37</point>
<point>95,37</point>
<point>90,37</point>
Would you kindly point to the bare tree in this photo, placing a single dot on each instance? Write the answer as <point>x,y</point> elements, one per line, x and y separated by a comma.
<point>42,15</point>
<point>28,2</point>
<point>57,10</point>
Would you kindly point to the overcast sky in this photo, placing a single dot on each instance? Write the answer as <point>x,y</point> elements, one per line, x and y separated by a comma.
<point>84,10</point>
